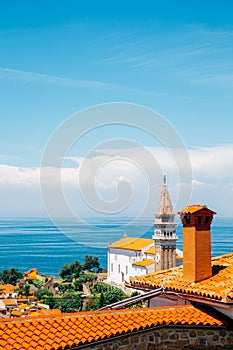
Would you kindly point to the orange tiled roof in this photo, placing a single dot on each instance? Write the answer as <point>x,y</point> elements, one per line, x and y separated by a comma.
<point>131,243</point>
<point>7,288</point>
<point>24,306</point>
<point>70,330</point>
<point>190,209</point>
<point>145,262</point>
<point>217,287</point>
<point>9,301</point>
<point>151,251</point>
<point>16,313</point>
<point>31,274</point>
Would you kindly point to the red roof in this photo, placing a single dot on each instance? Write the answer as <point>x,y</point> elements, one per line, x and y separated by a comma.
<point>70,330</point>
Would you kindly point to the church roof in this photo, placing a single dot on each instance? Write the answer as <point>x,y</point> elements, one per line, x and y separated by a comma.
<point>151,251</point>
<point>165,204</point>
<point>131,243</point>
<point>218,287</point>
<point>71,330</point>
<point>145,262</point>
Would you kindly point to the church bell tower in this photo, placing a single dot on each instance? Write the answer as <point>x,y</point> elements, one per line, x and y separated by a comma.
<point>165,231</point>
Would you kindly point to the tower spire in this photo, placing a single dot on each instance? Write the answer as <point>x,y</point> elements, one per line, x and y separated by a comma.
<point>165,231</point>
<point>165,204</point>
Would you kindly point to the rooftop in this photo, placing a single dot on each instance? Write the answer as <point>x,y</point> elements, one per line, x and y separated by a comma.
<point>131,243</point>
<point>70,330</point>
<point>145,262</point>
<point>9,302</point>
<point>218,287</point>
<point>7,288</point>
<point>190,209</point>
<point>151,251</point>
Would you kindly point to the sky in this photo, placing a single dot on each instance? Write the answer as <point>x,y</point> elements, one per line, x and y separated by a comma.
<point>60,58</point>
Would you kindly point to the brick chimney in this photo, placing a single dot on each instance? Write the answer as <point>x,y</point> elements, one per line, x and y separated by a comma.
<point>196,220</point>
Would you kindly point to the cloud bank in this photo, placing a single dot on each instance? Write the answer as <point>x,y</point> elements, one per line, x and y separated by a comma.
<point>212,182</point>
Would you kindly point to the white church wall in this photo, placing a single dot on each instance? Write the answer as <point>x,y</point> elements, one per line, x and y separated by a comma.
<point>151,268</point>
<point>120,262</point>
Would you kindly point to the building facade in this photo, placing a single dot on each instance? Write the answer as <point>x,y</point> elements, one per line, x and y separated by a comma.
<point>131,257</point>
<point>128,257</point>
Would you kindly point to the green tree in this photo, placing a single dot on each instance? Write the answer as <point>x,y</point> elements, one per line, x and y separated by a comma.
<point>11,276</point>
<point>26,290</point>
<point>68,302</point>
<point>78,285</point>
<point>65,272</point>
<point>72,271</point>
<point>99,287</point>
<point>91,263</point>
<point>113,295</point>
<point>101,301</point>
<point>135,293</point>
<point>64,288</point>
<point>42,294</point>
<point>106,295</point>
<point>49,300</point>
<point>76,269</point>
<point>92,303</point>
<point>88,277</point>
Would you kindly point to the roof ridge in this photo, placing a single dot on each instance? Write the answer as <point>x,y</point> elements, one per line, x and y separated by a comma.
<point>97,313</point>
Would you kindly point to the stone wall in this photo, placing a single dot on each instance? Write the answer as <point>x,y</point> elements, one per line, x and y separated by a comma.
<point>169,338</point>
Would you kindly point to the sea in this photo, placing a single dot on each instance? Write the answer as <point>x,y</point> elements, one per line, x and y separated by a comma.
<point>38,242</point>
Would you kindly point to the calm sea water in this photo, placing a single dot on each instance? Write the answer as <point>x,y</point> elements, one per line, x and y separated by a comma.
<point>27,243</point>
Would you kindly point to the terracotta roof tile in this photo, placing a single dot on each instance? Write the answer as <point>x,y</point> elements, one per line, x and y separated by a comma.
<point>145,262</point>
<point>151,251</point>
<point>217,287</point>
<point>131,243</point>
<point>60,332</point>
<point>7,288</point>
<point>190,209</point>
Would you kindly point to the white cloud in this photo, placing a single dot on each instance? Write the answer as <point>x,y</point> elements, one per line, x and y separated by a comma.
<point>212,179</point>
<point>12,175</point>
<point>213,163</point>
<point>39,78</point>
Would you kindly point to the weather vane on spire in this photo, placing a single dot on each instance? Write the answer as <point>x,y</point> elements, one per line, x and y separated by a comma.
<point>164,180</point>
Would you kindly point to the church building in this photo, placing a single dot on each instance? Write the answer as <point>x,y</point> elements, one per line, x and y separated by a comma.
<point>129,256</point>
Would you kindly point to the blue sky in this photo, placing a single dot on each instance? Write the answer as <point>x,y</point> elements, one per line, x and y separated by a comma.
<point>57,58</point>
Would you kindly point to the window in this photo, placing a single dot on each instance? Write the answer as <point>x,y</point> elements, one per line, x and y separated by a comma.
<point>111,267</point>
<point>126,270</point>
<point>199,220</point>
<point>187,219</point>
<point>207,220</point>
<point>119,268</point>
